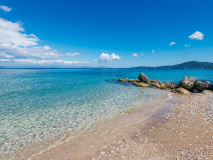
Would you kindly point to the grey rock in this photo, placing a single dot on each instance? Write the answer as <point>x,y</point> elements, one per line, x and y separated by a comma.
<point>171,85</point>
<point>143,78</point>
<point>195,90</point>
<point>188,83</point>
<point>207,92</point>
<point>156,83</point>
<point>203,85</point>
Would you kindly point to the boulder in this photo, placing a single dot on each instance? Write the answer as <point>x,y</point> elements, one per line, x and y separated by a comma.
<point>181,91</point>
<point>141,84</point>
<point>207,92</point>
<point>188,83</point>
<point>171,85</point>
<point>203,85</point>
<point>143,78</point>
<point>157,84</point>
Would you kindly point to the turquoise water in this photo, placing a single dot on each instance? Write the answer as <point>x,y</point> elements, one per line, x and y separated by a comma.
<point>41,104</point>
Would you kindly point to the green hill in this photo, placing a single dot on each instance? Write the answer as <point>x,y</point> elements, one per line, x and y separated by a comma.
<point>186,65</point>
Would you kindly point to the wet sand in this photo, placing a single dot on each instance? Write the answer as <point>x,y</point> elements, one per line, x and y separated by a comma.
<point>178,128</point>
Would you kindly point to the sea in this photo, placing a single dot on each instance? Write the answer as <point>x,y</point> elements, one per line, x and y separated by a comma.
<point>42,107</point>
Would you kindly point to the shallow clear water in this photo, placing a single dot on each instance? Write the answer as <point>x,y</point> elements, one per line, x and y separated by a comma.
<point>39,104</point>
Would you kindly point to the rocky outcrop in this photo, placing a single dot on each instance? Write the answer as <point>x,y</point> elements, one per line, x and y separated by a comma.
<point>188,83</point>
<point>181,91</point>
<point>141,84</point>
<point>171,85</point>
<point>157,84</point>
<point>143,78</point>
<point>203,85</point>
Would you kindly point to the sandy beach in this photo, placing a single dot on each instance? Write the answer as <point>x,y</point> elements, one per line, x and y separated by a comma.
<point>178,128</point>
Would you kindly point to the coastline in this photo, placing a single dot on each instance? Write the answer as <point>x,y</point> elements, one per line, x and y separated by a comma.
<point>40,147</point>
<point>180,127</point>
<point>89,144</point>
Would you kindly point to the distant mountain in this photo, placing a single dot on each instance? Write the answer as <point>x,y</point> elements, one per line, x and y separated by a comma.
<point>186,65</point>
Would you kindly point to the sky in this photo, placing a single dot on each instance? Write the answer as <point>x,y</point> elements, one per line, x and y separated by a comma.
<point>106,33</point>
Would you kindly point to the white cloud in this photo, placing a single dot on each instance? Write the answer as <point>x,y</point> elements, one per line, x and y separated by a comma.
<point>197,35</point>
<point>104,57</point>
<point>135,55</point>
<point>187,45</point>
<point>73,54</point>
<point>142,54</point>
<point>18,47</point>
<point>32,61</point>
<point>13,34</point>
<point>5,60</point>
<point>114,57</point>
<point>4,55</point>
<point>27,52</point>
<point>5,8</point>
<point>153,51</point>
<point>15,43</point>
<point>172,43</point>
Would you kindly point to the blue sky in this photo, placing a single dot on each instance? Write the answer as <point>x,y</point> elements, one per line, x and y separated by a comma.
<point>71,33</point>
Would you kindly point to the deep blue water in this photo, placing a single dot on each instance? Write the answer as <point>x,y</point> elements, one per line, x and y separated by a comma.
<point>39,104</point>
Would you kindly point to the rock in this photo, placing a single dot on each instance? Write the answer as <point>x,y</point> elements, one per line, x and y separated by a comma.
<point>188,83</point>
<point>157,84</point>
<point>143,78</point>
<point>141,84</point>
<point>203,85</point>
<point>170,85</point>
<point>196,91</point>
<point>207,92</point>
<point>130,80</point>
<point>137,80</point>
<point>123,80</point>
<point>181,91</point>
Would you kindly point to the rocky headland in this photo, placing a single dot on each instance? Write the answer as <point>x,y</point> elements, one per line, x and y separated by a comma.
<point>184,87</point>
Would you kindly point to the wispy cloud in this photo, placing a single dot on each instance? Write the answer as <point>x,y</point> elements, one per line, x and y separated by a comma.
<point>187,45</point>
<point>104,57</point>
<point>197,35</point>
<point>18,47</point>
<point>73,54</point>
<point>135,55</point>
<point>32,61</point>
<point>5,8</point>
<point>16,43</point>
<point>172,43</point>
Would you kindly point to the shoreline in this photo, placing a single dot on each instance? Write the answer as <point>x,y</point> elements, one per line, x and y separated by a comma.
<point>38,148</point>
<point>99,133</point>
<point>181,128</point>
